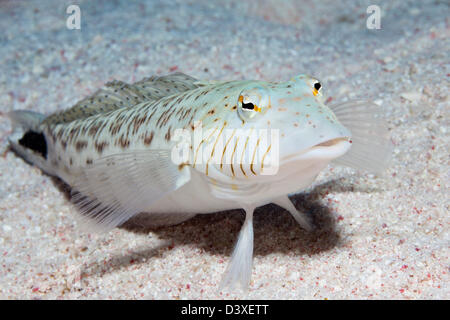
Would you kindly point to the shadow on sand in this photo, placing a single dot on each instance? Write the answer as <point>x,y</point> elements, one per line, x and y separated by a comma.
<point>275,230</point>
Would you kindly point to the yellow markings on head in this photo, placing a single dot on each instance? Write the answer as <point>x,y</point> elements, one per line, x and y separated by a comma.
<point>201,142</point>
<point>264,156</point>
<point>214,147</point>
<point>243,152</point>
<point>232,156</point>
<point>234,187</point>
<point>253,158</point>
<point>315,92</point>
<point>225,149</point>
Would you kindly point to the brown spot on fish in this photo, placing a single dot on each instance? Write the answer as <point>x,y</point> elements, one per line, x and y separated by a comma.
<point>123,142</point>
<point>100,146</point>
<point>93,130</point>
<point>166,120</point>
<point>80,145</point>
<point>160,119</point>
<point>89,161</point>
<point>148,138</point>
<point>114,127</point>
<point>137,123</point>
<point>181,109</point>
<point>167,136</point>
<point>150,117</point>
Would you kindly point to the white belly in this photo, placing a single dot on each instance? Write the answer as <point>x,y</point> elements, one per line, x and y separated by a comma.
<point>192,198</point>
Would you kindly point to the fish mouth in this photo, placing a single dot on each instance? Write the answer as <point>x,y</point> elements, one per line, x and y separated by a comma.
<point>332,142</point>
<point>328,149</point>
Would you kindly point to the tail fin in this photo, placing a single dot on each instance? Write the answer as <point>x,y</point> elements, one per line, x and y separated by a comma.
<point>27,139</point>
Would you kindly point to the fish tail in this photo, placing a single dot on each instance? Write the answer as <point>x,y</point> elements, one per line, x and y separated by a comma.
<point>27,138</point>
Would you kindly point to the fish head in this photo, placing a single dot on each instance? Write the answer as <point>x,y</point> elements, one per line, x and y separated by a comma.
<point>308,129</point>
<point>302,135</point>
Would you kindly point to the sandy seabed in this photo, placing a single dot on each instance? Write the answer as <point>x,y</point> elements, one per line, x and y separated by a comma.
<point>378,237</point>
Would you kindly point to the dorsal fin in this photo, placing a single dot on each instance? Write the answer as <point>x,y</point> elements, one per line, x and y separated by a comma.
<point>163,86</point>
<point>118,94</point>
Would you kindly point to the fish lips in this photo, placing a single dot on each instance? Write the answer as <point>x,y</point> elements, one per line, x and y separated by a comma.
<point>325,150</point>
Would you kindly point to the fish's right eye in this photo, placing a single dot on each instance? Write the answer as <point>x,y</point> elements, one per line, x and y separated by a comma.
<point>251,102</point>
<point>249,106</point>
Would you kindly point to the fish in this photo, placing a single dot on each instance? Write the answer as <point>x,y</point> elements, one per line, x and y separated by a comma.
<point>173,147</point>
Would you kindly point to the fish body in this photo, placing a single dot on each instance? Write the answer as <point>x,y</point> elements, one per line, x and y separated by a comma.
<point>174,147</point>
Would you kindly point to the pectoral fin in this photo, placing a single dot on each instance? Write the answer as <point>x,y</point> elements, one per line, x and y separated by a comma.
<point>371,146</point>
<point>115,188</point>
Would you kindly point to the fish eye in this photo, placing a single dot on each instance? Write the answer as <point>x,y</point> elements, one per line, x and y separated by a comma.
<point>317,86</point>
<point>252,102</point>
<point>248,105</point>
